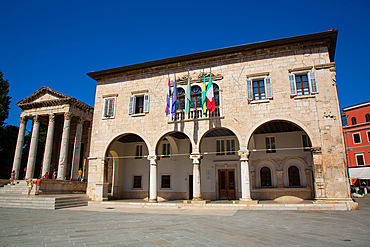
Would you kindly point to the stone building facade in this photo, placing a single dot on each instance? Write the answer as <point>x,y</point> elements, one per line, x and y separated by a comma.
<point>276,130</point>
<point>68,134</point>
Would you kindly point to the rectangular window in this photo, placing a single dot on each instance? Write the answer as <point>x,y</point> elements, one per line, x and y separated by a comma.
<point>344,120</point>
<point>166,150</point>
<point>137,182</point>
<point>108,108</point>
<point>303,84</point>
<point>270,144</point>
<point>368,136</point>
<point>225,147</point>
<point>139,104</point>
<point>306,143</point>
<point>259,89</point>
<point>360,159</point>
<point>139,152</point>
<point>356,138</point>
<point>166,182</point>
<point>220,147</point>
<point>230,147</point>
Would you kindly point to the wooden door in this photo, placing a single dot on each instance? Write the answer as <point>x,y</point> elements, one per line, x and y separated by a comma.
<point>226,184</point>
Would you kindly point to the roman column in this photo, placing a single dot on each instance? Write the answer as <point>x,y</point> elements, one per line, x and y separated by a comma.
<point>153,178</point>
<point>19,147</point>
<point>33,148</point>
<point>245,176</point>
<point>64,146</point>
<point>77,150</point>
<point>197,195</point>
<point>48,145</point>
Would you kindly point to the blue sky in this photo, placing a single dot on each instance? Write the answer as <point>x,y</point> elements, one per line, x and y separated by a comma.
<point>55,43</point>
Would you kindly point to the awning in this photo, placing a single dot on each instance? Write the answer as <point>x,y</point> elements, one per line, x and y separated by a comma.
<point>359,172</point>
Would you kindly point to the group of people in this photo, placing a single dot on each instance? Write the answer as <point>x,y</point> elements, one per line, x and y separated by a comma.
<point>38,181</point>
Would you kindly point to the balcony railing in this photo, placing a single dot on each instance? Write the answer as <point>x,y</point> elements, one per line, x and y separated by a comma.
<point>195,113</point>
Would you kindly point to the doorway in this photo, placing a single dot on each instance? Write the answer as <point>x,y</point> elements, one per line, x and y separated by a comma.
<point>190,187</point>
<point>226,183</point>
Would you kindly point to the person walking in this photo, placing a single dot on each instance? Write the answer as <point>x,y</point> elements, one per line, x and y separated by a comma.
<point>38,184</point>
<point>79,175</point>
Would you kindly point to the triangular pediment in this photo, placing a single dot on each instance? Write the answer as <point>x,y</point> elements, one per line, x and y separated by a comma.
<point>44,94</point>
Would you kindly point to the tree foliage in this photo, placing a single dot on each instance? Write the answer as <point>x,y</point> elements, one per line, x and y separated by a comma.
<point>4,100</point>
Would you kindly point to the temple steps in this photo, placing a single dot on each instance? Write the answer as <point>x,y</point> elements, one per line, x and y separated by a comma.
<point>43,201</point>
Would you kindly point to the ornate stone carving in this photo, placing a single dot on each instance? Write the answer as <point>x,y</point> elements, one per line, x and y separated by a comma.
<point>68,115</point>
<point>328,114</point>
<point>184,80</point>
<point>243,154</point>
<point>36,118</point>
<point>52,117</point>
<point>80,120</point>
<point>23,120</point>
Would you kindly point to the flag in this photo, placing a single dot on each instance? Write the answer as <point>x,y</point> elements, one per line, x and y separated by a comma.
<point>204,97</point>
<point>210,96</point>
<point>168,98</point>
<point>174,98</point>
<point>188,97</point>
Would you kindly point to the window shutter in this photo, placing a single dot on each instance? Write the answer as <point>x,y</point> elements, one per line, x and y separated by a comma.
<point>106,106</point>
<point>131,105</point>
<point>110,107</point>
<point>292,85</point>
<point>312,82</point>
<point>146,103</point>
<point>249,90</point>
<point>268,88</point>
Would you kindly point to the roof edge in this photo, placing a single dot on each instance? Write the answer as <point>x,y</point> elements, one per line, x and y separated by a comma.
<point>332,35</point>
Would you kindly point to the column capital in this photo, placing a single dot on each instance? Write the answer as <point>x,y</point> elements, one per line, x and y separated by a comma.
<point>243,154</point>
<point>153,159</point>
<point>68,115</point>
<point>36,118</point>
<point>52,117</point>
<point>24,120</point>
<point>80,120</point>
<point>316,150</point>
<point>195,157</point>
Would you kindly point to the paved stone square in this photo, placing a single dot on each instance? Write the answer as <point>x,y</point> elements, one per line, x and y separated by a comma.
<point>108,226</point>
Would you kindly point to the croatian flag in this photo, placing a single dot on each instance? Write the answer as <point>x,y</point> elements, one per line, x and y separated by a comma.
<point>210,97</point>
<point>168,98</point>
<point>174,98</point>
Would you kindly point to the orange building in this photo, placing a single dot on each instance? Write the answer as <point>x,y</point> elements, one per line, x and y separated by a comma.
<point>356,130</point>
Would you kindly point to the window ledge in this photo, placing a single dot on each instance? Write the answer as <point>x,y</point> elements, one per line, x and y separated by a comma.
<point>308,96</point>
<point>260,101</point>
<point>138,115</point>
<point>106,118</point>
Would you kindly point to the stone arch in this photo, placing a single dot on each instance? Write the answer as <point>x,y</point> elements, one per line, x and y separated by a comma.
<point>299,124</point>
<point>233,130</point>
<point>265,163</point>
<point>117,136</point>
<point>300,164</point>
<point>172,142</point>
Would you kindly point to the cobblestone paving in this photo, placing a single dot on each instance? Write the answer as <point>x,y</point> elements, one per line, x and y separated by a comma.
<point>84,227</point>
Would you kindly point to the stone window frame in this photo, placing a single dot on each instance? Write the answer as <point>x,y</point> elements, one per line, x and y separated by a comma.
<point>363,158</point>
<point>353,137</point>
<point>274,180</point>
<point>251,78</point>
<point>161,181</point>
<point>267,150</point>
<point>226,151</point>
<point>107,98</point>
<point>132,103</point>
<point>302,176</point>
<point>368,135</point>
<point>311,81</point>
<point>133,182</point>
